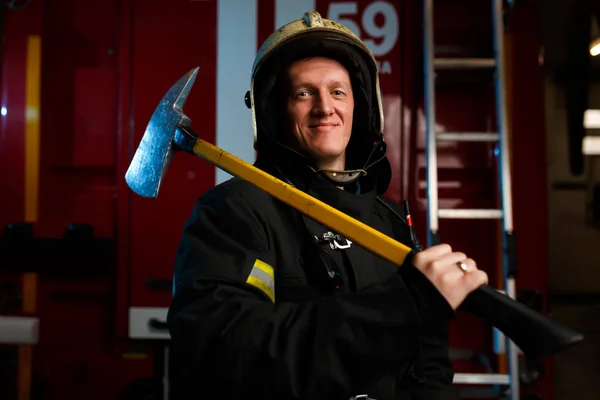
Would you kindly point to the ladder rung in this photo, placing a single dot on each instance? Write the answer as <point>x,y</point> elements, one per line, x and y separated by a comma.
<point>467,137</point>
<point>469,213</point>
<point>463,63</point>
<point>481,379</point>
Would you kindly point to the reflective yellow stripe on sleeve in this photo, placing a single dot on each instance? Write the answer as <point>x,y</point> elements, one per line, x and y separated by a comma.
<point>262,277</point>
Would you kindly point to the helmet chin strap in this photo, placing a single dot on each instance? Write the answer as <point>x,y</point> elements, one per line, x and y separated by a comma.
<point>346,177</point>
<point>337,177</point>
<point>342,178</point>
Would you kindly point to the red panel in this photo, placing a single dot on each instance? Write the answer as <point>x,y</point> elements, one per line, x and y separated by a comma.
<point>76,356</point>
<point>529,163</point>
<point>411,92</point>
<point>124,154</point>
<point>529,156</point>
<point>265,20</point>
<point>95,119</point>
<point>168,42</point>
<point>18,25</point>
<point>79,83</point>
<point>77,117</point>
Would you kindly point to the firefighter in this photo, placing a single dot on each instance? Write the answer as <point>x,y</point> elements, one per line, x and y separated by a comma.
<point>270,304</point>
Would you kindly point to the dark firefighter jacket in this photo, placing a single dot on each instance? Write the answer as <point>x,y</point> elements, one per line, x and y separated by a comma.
<point>256,314</point>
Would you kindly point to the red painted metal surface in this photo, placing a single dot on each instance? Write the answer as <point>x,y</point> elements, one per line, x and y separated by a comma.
<point>79,89</point>
<point>529,162</point>
<point>124,150</point>
<point>18,25</point>
<point>77,355</point>
<point>78,115</point>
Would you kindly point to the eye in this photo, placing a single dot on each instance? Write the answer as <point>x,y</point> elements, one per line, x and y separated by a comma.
<point>302,94</point>
<point>338,92</point>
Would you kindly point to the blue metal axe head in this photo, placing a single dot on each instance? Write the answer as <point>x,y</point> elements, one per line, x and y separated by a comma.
<point>155,151</point>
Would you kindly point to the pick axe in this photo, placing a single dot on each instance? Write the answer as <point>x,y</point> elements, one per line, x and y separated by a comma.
<point>169,131</point>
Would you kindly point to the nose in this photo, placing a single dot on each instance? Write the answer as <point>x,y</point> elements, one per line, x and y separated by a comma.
<point>323,105</point>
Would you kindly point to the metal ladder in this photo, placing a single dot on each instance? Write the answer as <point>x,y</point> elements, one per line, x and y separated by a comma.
<point>496,64</point>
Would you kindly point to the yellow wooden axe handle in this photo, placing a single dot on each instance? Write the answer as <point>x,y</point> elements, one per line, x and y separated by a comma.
<point>350,228</point>
<point>534,333</point>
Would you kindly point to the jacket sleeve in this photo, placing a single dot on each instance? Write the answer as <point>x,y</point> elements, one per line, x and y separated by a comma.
<point>230,340</point>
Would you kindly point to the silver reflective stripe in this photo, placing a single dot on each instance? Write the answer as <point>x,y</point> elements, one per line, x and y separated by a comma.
<point>262,277</point>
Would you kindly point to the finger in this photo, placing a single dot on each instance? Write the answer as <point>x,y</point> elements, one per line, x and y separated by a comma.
<point>454,269</point>
<point>476,278</point>
<point>439,250</point>
<point>446,267</point>
<point>432,253</point>
<point>452,258</point>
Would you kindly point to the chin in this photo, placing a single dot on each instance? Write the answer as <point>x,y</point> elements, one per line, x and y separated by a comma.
<point>329,156</point>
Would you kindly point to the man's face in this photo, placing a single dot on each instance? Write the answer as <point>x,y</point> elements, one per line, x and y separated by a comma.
<point>320,106</point>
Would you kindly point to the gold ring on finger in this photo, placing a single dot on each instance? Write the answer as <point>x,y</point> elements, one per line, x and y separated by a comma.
<point>463,267</point>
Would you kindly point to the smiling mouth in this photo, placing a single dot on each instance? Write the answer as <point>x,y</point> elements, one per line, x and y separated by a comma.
<point>328,125</point>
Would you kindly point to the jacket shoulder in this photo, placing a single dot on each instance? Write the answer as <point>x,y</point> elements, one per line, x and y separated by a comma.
<point>394,212</point>
<point>236,187</point>
<point>234,198</point>
<point>391,209</point>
